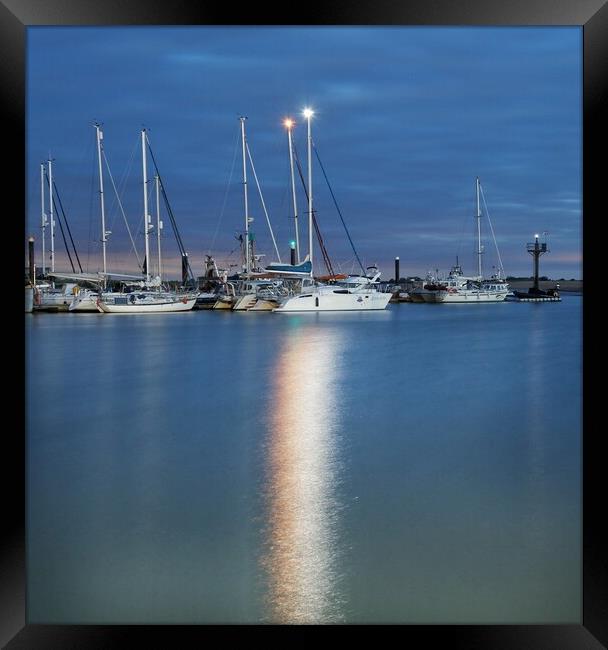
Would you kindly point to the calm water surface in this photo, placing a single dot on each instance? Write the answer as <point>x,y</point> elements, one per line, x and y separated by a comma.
<point>418,465</point>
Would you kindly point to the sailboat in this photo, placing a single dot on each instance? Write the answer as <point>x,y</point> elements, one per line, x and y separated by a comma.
<point>147,295</point>
<point>254,289</point>
<point>361,294</point>
<point>471,290</point>
<point>47,296</point>
<point>85,297</point>
<point>57,289</point>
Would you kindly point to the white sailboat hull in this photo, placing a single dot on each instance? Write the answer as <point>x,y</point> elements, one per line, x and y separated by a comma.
<point>465,297</point>
<point>332,301</point>
<point>47,301</point>
<point>152,305</point>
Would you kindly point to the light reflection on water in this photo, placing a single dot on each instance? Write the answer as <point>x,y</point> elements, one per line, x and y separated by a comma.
<point>302,545</point>
<point>418,466</point>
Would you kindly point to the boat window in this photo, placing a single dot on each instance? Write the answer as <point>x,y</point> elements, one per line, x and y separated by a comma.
<point>341,291</point>
<point>308,295</point>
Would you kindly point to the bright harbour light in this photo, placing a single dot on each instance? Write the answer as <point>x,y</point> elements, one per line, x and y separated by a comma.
<point>536,236</point>
<point>308,113</point>
<point>288,123</point>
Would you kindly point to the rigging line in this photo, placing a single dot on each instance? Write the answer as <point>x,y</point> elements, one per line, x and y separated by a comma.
<point>236,139</point>
<point>178,238</point>
<point>502,271</point>
<point>63,235</point>
<point>56,193</point>
<point>338,209</point>
<point>125,176</point>
<point>262,200</point>
<point>180,244</point>
<point>124,216</point>
<point>324,252</point>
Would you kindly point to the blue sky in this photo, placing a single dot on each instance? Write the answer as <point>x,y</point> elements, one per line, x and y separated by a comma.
<point>405,119</point>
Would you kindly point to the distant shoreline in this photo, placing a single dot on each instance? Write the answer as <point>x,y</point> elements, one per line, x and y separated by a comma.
<point>564,285</point>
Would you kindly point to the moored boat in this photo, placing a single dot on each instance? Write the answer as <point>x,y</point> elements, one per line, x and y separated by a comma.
<point>355,293</point>
<point>458,288</point>
<point>145,302</point>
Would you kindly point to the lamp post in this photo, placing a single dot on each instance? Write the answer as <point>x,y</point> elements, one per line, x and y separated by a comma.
<point>308,113</point>
<point>289,123</point>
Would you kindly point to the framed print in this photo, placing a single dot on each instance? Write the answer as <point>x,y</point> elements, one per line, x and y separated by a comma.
<point>431,467</point>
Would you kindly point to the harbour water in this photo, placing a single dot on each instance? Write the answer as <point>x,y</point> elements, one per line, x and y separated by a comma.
<point>416,465</point>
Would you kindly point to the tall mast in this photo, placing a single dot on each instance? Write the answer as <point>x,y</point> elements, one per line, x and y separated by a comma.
<point>247,260</point>
<point>50,164</point>
<point>308,113</point>
<point>99,135</point>
<point>159,223</point>
<point>479,250</point>
<point>289,126</point>
<point>43,216</point>
<point>146,215</point>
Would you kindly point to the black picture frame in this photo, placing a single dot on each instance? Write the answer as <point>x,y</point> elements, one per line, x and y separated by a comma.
<point>591,15</point>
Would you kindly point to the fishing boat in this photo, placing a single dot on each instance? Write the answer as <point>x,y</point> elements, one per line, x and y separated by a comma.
<point>210,285</point>
<point>430,283</point>
<point>361,293</point>
<point>147,295</point>
<point>458,288</point>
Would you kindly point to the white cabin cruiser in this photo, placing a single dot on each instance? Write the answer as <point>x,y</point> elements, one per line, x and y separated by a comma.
<point>352,295</point>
